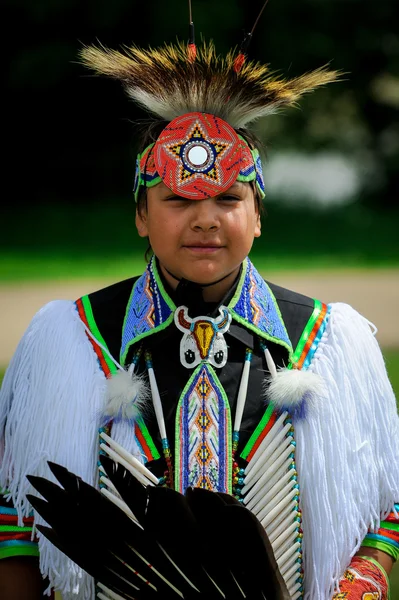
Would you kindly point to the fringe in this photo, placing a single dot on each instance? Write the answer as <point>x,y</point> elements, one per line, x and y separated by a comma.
<point>347,450</point>
<point>52,394</point>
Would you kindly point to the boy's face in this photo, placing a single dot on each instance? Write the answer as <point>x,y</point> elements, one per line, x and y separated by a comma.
<point>200,240</point>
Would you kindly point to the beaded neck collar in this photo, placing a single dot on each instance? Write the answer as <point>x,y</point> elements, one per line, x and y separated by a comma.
<point>150,308</point>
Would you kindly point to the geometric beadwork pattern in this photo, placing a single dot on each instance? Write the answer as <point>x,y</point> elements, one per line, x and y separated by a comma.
<point>203,434</point>
<point>149,308</point>
<point>254,172</point>
<point>146,172</point>
<point>259,174</point>
<point>254,306</point>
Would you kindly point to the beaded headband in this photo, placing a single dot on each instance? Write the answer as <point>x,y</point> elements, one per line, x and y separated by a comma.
<point>198,156</point>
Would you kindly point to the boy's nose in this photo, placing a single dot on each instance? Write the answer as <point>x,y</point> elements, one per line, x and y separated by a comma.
<point>205,217</point>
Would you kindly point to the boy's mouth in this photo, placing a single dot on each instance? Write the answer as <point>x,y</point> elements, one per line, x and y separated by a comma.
<point>203,244</point>
<point>203,248</point>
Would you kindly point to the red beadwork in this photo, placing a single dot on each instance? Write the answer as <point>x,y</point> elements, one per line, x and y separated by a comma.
<point>362,579</point>
<point>199,156</point>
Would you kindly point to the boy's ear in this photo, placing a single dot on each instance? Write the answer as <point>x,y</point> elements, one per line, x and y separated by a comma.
<point>258,226</point>
<point>141,224</point>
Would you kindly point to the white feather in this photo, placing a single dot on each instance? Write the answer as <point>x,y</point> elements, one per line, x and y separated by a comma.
<point>236,112</point>
<point>289,387</point>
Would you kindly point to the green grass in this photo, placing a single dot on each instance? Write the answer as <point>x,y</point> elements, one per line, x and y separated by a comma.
<point>55,266</point>
<point>394,579</point>
<point>392,364</point>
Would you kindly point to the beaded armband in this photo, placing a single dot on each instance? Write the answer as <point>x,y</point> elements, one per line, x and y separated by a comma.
<point>386,538</point>
<point>15,540</point>
<point>364,578</point>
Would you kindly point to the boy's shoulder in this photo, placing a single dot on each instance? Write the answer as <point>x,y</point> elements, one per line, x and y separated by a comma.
<point>114,294</point>
<point>108,309</point>
<point>296,310</point>
<point>290,297</point>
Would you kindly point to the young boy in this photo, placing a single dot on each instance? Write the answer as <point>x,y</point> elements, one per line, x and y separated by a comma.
<point>209,375</point>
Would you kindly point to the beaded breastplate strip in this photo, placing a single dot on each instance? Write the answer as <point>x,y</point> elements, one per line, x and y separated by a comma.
<point>203,424</point>
<point>203,434</point>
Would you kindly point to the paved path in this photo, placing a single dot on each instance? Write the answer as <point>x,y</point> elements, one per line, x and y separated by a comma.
<point>375,294</point>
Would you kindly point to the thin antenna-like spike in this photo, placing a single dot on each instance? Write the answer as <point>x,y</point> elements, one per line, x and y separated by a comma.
<point>259,16</point>
<point>191,47</point>
<point>190,12</point>
<point>242,54</point>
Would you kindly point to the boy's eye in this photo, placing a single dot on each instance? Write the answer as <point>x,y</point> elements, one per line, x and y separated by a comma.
<point>175,199</point>
<point>222,198</point>
<point>229,198</point>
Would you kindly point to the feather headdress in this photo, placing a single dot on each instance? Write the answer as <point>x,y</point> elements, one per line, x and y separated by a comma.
<point>166,83</point>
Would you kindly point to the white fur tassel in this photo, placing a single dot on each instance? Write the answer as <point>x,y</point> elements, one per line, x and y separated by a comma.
<point>126,398</point>
<point>290,388</point>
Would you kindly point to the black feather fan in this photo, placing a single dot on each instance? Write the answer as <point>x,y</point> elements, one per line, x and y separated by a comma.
<point>200,545</point>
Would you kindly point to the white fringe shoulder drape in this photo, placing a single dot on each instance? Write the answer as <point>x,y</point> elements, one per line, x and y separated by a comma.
<point>347,448</point>
<point>52,391</point>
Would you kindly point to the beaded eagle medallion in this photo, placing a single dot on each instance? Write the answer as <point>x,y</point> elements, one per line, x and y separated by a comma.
<point>203,339</point>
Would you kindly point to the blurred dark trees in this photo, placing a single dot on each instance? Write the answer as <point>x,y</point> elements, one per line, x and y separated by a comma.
<point>70,136</point>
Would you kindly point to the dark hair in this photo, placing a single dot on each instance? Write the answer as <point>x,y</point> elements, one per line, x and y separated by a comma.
<point>150,130</point>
